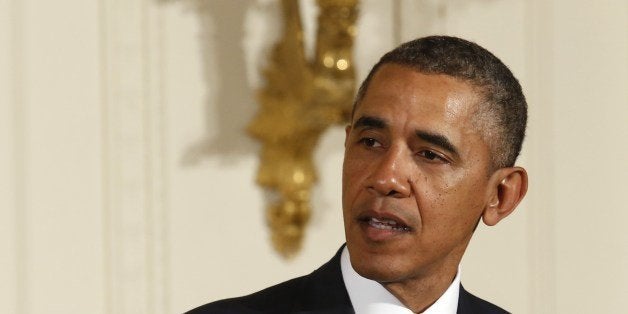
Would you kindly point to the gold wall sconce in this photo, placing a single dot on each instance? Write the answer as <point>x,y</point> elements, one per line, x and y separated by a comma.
<point>300,100</point>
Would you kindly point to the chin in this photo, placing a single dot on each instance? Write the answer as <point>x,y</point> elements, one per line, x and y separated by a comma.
<point>378,273</point>
<point>380,268</point>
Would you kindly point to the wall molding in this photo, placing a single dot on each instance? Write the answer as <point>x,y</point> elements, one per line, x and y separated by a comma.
<point>134,185</point>
<point>19,153</point>
<point>541,201</point>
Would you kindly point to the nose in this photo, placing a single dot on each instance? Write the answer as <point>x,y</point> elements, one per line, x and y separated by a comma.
<point>391,174</point>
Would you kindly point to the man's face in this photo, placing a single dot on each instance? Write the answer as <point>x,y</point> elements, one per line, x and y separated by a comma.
<point>415,175</point>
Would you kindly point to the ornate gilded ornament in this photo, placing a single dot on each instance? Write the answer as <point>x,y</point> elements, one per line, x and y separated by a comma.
<point>300,100</point>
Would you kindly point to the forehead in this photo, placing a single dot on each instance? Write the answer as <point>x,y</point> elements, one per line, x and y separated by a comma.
<point>400,88</point>
<point>410,100</point>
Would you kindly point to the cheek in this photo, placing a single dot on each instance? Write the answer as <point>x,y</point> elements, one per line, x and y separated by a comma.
<point>355,166</point>
<point>455,204</point>
<point>352,178</point>
<point>469,205</point>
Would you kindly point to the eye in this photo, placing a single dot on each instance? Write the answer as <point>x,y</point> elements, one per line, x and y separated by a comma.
<point>370,142</point>
<point>432,156</point>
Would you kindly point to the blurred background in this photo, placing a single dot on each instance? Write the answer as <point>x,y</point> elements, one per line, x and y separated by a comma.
<point>127,179</point>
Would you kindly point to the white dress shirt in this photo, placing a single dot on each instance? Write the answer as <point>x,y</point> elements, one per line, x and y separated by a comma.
<point>370,297</point>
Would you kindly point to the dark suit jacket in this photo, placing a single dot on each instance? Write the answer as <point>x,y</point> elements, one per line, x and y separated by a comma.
<point>322,291</point>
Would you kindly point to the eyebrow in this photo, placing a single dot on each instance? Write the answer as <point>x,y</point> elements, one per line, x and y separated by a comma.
<point>370,122</point>
<point>438,140</point>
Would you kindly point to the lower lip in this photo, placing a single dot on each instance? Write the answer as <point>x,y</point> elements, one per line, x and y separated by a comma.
<point>376,234</point>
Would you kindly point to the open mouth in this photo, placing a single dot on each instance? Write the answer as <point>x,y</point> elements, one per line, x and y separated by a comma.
<point>385,224</point>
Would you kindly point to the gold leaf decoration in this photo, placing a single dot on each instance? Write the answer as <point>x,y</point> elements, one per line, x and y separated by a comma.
<point>300,100</point>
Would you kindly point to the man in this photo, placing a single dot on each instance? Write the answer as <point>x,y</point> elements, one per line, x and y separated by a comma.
<point>436,128</point>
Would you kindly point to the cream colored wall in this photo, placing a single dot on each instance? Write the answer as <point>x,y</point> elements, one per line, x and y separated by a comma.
<point>126,179</point>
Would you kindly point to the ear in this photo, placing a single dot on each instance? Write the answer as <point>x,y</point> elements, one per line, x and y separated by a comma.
<point>507,188</point>
<point>347,132</point>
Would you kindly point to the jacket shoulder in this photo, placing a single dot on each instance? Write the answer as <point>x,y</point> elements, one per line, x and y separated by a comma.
<point>322,291</point>
<point>275,299</point>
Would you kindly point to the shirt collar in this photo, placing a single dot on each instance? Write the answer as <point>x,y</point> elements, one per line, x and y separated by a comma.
<point>370,297</point>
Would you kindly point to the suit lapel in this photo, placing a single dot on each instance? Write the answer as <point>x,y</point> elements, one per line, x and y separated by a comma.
<point>469,304</point>
<point>464,305</point>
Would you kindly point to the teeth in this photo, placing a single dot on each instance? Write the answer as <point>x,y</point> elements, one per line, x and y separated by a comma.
<point>386,224</point>
<point>379,225</point>
<point>385,221</point>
